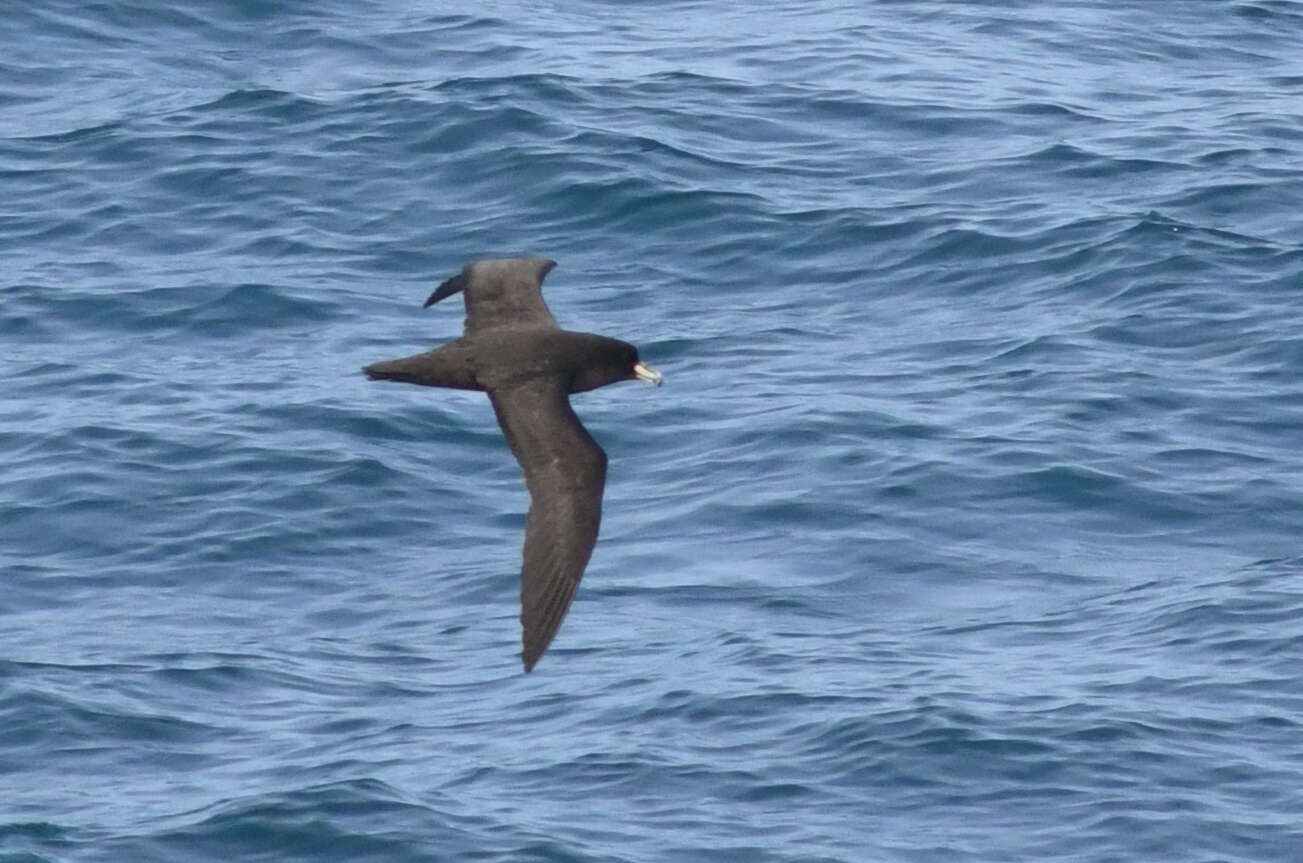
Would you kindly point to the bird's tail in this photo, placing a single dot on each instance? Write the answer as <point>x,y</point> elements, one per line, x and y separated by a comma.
<point>446,366</point>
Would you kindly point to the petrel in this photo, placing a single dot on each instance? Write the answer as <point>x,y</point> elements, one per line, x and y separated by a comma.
<point>512,348</point>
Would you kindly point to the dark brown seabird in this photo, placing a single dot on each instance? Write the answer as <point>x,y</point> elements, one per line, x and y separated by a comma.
<point>512,348</point>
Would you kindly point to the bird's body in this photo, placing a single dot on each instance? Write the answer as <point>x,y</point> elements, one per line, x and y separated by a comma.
<point>513,349</point>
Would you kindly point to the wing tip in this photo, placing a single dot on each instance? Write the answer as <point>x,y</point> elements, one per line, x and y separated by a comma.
<point>531,654</point>
<point>459,282</point>
<point>447,289</point>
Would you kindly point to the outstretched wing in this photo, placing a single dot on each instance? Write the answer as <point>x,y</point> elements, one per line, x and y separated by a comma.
<point>506,292</point>
<point>565,471</point>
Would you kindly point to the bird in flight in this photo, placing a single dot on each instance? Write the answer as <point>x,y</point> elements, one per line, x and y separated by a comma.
<point>512,349</point>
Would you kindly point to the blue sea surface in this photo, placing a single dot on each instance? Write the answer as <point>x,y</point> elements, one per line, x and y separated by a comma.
<point>967,528</point>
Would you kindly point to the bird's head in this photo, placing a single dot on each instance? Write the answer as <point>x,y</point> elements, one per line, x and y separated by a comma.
<point>608,361</point>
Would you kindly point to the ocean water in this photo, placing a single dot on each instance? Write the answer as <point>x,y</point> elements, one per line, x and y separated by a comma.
<point>965,528</point>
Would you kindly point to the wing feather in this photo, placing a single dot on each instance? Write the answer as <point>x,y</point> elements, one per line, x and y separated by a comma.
<point>565,472</point>
<point>499,293</point>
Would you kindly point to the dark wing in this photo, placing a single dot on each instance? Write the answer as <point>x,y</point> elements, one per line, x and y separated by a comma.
<point>565,471</point>
<point>501,293</point>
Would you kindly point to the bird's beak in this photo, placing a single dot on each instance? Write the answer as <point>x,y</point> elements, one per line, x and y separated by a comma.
<point>647,373</point>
